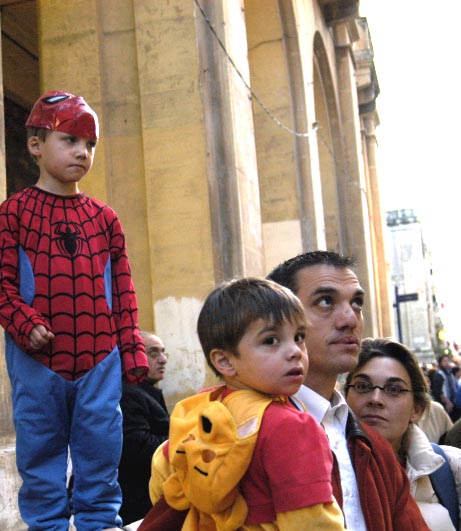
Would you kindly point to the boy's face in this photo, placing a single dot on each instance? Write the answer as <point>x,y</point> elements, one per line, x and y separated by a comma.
<point>272,358</point>
<point>63,160</point>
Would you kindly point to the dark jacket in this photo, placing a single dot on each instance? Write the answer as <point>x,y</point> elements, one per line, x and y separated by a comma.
<point>145,426</point>
<point>383,485</point>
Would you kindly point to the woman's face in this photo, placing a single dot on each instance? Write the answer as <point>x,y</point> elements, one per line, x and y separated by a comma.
<point>388,414</point>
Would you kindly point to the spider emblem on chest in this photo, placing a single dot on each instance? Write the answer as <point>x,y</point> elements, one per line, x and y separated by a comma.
<point>69,241</point>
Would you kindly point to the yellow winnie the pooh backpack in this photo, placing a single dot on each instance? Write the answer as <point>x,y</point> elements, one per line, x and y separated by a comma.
<point>212,439</point>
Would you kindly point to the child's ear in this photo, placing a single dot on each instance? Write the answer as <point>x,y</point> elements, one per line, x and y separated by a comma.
<point>33,145</point>
<point>222,362</point>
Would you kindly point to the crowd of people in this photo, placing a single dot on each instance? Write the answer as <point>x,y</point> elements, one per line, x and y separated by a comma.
<point>276,445</point>
<point>444,384</point>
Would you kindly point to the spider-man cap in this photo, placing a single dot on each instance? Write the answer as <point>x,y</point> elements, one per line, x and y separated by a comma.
<point>61,111</point>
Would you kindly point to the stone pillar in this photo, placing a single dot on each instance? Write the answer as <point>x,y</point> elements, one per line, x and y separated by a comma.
<point>353,186</point>
<point>232,172</point>
<point>368,91</point>
<point>381,266</point>
<point>288,168</point>
<point>9,479</point>
<point>201,172</point>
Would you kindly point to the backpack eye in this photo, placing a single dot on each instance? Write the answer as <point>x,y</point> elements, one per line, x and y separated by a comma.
<point>206,424</point>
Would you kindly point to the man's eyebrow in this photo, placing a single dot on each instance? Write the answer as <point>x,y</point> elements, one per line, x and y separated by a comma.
<point>328,290</point>
<point>324,290</point>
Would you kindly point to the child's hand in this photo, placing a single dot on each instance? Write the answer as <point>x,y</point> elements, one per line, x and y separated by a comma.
<point>40,337</point>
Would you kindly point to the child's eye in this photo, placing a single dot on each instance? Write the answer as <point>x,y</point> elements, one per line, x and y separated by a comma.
<point>91,145</point>
<point>270,341</point>
<point>300,338</point>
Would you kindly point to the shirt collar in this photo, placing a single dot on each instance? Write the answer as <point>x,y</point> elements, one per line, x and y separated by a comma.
<point>319,407</point>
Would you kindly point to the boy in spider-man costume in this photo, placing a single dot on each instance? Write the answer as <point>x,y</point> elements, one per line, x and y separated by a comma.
<point>69,309</point>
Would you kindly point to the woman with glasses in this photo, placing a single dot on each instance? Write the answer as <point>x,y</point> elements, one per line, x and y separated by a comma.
<point>387,391</point>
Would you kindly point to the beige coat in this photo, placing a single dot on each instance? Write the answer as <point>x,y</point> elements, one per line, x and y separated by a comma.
<point>422,461</point>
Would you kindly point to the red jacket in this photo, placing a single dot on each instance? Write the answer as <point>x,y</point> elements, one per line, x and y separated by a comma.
<point>383,484</point>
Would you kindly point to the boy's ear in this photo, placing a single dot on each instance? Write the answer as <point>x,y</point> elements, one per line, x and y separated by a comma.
<point>222,362</point>
<point>33,145</point>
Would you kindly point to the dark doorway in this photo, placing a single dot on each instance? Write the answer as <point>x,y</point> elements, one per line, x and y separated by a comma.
<point>21,171</point>
<point>20,88</point>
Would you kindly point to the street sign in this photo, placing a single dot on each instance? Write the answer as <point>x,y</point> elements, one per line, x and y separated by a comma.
<point>406,297</point>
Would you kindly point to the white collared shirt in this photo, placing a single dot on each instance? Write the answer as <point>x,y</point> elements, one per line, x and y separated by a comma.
<point>333,416</point>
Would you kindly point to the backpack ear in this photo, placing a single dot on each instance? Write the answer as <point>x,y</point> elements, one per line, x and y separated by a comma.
<point>206,424</point>
<point>222,362</point>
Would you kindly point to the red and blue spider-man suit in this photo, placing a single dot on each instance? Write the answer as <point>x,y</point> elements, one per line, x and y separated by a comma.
<point>63,264</point>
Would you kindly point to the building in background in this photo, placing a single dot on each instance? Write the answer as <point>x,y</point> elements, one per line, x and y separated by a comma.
<point>234,134</point>
<point>413,288</point>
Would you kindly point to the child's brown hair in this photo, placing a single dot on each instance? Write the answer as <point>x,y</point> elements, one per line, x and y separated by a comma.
<point>232,306</point>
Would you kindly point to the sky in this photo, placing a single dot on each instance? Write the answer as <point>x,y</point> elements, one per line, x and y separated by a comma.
<point>417,60</point>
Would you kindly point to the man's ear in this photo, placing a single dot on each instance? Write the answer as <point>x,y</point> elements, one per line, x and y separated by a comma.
<point>33,145</point>
<point>222,362</point>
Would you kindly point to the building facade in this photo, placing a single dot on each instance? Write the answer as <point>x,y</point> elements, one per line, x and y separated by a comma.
<point>234,134</point>
<point>412,283</point>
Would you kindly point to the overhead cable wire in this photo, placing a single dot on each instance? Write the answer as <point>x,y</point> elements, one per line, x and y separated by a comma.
<point>250,90</point>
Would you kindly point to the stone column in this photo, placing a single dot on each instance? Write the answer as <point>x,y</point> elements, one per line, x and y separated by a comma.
<point>354,205</point>
<point>9,479</point>
<point>381,266</point>
<point>288,166</point>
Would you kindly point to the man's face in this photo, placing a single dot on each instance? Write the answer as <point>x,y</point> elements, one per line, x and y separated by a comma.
<point>156,358</point>
<point>445,363</point>
<point>333,300</point>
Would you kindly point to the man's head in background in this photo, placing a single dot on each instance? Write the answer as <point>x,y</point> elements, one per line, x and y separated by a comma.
<point>156,357</point>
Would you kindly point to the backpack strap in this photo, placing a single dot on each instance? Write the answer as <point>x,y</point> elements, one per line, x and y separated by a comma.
<point>443,483</point>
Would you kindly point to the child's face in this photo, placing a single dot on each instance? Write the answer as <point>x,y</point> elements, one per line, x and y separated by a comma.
<point>63,160</point>
<point>272,358</point>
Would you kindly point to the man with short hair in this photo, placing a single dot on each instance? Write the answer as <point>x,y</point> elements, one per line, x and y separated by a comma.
<point>145,426</point>
<point>157,359</point>
<point>368,482</point>
<point>443,386</point>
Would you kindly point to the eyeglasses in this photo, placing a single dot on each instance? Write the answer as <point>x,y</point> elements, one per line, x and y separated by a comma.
<point>389,389</point>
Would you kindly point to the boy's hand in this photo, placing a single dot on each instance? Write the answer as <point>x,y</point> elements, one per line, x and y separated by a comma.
<point>40,337</point>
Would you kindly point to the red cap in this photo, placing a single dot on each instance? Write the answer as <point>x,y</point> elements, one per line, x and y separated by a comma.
<point>61,111</point>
